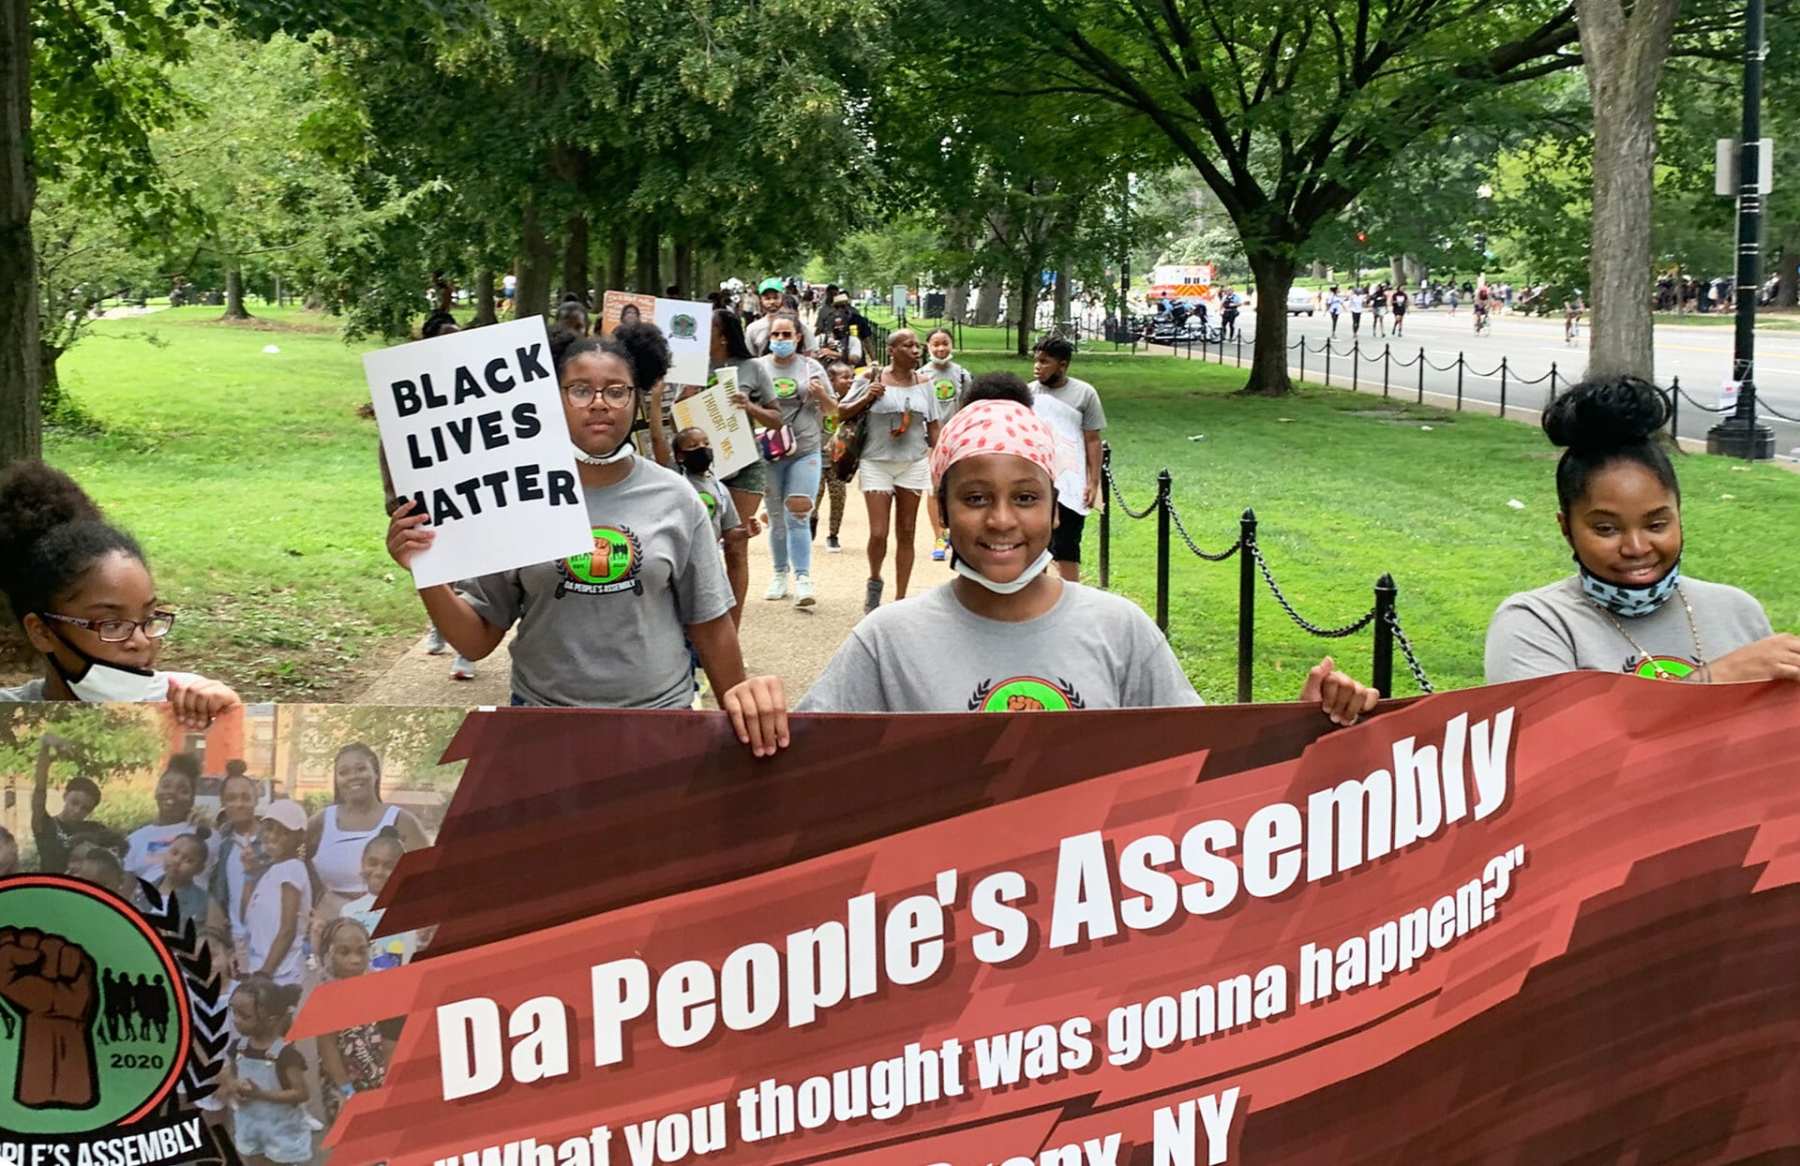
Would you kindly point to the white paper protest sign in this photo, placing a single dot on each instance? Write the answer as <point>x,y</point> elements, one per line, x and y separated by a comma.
<point>687,325</point>
<point>472,425</point>
<point>725,425</point>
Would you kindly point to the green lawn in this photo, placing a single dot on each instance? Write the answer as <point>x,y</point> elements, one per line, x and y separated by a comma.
<point>252,483</point>
<point>1767,319</point>
<point>1346,487</point>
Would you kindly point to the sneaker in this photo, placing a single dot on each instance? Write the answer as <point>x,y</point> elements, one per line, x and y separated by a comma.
<point>938,551</point>
<point>803,591</point>
<point>872,598</point>
<point>777,587</point>
<point>462,668</point>
<point>434,643</point>
<point>833,545</point>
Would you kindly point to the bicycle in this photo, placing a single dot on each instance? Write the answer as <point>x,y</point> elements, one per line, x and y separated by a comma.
<point>1481,321</point>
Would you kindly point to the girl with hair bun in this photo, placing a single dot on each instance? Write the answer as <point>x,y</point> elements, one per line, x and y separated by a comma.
<point>610,628</point>
<point>1628,607</point>
<point>81,590</point>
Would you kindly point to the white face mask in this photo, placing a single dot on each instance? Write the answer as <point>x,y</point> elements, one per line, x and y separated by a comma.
<point>1026,577</point>
<point>103,683</point>
<point>943,360</point>
<point>626,449</point>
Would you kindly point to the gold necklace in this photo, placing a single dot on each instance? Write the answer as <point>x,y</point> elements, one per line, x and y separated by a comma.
<point>1656,665</point>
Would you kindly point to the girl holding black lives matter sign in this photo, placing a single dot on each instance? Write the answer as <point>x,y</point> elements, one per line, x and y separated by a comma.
<point>1629,607</point>
<point>1010,634</point>
<point>610,628</point>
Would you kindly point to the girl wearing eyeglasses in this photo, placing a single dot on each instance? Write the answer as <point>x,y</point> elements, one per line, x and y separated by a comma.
<point>83,594</point>
<point>610,628</point>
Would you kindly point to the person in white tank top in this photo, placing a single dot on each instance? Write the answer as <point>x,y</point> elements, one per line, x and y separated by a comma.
<point>337,835</point>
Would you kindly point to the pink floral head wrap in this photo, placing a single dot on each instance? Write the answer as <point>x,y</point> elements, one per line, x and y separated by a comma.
<point>994,427</point>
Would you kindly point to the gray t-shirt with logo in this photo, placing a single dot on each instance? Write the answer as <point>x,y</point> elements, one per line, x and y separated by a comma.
<point>947,385</point>
<point>608,629</point>
<point>717,500</point>
<point>930,654</point>
<point>889,414</point>
<point>786,386</point>
<point>1558,629</point>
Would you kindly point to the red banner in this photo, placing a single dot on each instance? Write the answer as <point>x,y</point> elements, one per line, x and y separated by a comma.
<point>1545,922</point>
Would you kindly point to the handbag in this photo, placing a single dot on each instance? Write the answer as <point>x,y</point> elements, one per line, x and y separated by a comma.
<point>845,451</point>
<point>776,444</point>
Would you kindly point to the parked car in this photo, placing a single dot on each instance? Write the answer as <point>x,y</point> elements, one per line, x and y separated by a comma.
<point>1301,300</point>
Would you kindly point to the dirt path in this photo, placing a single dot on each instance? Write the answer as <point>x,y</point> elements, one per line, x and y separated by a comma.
<point>778,638</point>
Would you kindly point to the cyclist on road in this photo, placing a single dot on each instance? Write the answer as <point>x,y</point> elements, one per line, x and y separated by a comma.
<point>1483,303</point>
<point>1572,309</point>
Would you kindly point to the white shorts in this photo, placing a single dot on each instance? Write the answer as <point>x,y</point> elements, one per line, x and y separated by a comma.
<point>881,476</point>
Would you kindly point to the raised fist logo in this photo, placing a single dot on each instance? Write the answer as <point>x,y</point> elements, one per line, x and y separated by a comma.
<point>49,983</point>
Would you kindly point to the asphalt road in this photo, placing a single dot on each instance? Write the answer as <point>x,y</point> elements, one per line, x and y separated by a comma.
<point>1699,356</point>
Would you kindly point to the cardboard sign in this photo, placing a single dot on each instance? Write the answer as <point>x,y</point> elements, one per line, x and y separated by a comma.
<point>472,425</point>
<point>623,307</point>
<point>687,325</point>
<point>726,426</point>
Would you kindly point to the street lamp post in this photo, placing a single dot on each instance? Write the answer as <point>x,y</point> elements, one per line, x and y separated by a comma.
<point>1740,435</point>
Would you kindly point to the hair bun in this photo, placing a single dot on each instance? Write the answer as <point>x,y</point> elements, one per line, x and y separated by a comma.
<point>648,351</point>
<point>1600,415</point>
<point>35,499</point>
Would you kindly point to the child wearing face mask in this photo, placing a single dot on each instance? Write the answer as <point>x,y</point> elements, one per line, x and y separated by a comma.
<point>948,382</point>
<point>81,590</point>
<point>1009,634</point>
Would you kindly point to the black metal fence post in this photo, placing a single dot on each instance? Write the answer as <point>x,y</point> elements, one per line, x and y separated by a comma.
<point>1387,365</point>
<point>1503,386</point>
<point>1421,374</point>
<point>1105,515</point>
<point>1459,381</point>
<point>1355,364</point>
<point>1675,410</point>
<point>1303,358</point>
<point>1553,382</point>
<point>1328,355</point>
<point>1383,664</point>
<point>1162,552</point>
<point>1246,602</point>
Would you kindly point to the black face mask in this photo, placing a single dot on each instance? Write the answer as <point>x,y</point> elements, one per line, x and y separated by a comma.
<point>696,461</point>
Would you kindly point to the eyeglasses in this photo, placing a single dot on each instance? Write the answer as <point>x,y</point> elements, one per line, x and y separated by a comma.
<point>581,394</point>
<point>117,631</point>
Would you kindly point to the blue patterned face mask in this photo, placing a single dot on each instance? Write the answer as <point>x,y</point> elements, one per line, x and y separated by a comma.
<point>1630,602</point>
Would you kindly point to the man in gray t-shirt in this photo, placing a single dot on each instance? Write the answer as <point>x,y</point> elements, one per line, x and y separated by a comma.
<point>1559,629</point>
<point>608,629</point>
<point>931,654</point>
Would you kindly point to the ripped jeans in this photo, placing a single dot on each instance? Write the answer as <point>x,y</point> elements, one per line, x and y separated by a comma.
<point>790,536</point>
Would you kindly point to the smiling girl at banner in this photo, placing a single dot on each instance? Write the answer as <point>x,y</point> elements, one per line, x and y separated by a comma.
<point>82,591</point>
<point>1629,607</point>
<point>610,628</point>
<point>1009,634</point>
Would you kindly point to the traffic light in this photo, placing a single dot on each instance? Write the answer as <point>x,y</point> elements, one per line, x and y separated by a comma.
<point>1362,236</point>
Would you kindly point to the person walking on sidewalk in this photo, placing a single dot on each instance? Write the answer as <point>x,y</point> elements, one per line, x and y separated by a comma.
<point>790,396</point>
<point>1072,409</point>
<point>901,427</point>
<point>842,377</point>
<point>1401,302</point>
<point>948,380</point>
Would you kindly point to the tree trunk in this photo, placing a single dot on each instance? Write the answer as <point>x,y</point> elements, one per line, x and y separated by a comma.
<point>1268,370</point>
<point>987,304</point>
<point>484,297</point>
<point>537,256</point>
<point>1062,293</point>
<point>617,261</point>
<point>21,425</point>
<point>1787,291</point>
<point>51,406</point>
<point>649,259</point>
<point>1397,271</point>
<point>1623,57</point>
<point>684,269</point>
<point>1319,270</point>
<point>234,293</point>
<point>575,257</point>
<point>958,305</point>
<point>1027,309</point>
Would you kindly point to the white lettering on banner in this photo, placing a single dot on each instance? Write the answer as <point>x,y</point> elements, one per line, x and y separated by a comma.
<point>796,980</point>
<point>473,429</point>
<point>1177,1137</point>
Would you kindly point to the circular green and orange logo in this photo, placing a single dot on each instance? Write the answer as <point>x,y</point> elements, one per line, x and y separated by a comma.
<point>1665,668</point>
<point>95,1022</point>
<point>786,387</point>
<point>707,499</point>
<point>1025,694</point>
<point>946,388</point>
<point>613,558</point>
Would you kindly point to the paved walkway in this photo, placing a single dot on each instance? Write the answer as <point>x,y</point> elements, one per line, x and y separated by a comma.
<point>777,638</point>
